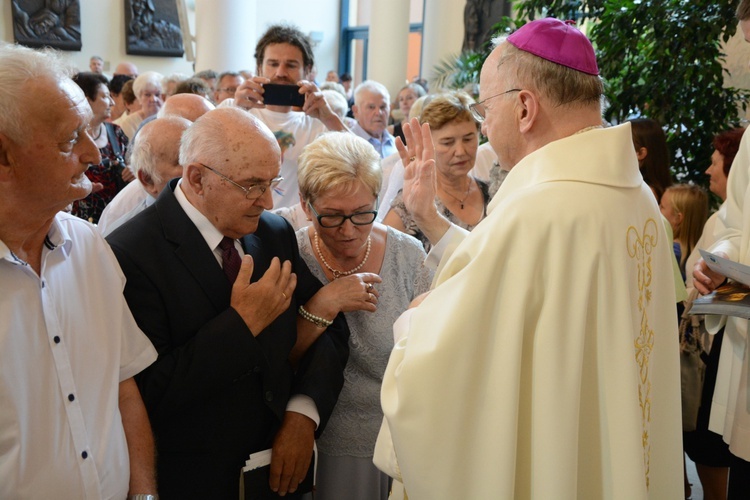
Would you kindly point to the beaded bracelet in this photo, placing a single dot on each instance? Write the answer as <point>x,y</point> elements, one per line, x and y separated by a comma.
<point>316,320</point>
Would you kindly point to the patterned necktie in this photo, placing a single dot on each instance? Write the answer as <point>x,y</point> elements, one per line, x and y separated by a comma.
<point>230,258</point>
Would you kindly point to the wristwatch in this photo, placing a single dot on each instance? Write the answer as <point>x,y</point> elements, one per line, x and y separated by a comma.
<point>142,496</point>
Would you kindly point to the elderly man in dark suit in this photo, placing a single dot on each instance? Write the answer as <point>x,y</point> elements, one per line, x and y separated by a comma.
<point>225,323</point>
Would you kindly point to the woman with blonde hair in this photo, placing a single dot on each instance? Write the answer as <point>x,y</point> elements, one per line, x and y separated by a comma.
<point>371,273</point>
<point>685,206</point>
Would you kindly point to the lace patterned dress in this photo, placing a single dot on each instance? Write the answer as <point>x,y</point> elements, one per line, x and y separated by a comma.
<point>399,207</point>
<point>353,427</point>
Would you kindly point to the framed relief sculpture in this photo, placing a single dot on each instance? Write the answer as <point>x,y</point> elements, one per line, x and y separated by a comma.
<point>47,23</point>
<point>152,28</point>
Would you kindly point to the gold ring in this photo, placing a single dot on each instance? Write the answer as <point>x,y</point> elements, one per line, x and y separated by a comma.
<point>368,287</point>
<point>412,159</point>
<point>371,297</point>
<point>284,295</point>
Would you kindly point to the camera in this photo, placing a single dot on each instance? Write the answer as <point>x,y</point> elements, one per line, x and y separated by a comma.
<point>282,95</point>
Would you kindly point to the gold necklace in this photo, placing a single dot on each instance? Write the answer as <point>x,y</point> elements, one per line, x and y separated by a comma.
<point>336,273</point>
<point>459,200</point>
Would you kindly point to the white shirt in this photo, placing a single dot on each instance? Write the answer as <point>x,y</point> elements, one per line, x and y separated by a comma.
<point>67,339</point>
<point>130,123</point>
<point>299,403</point>
<point>128,203</point>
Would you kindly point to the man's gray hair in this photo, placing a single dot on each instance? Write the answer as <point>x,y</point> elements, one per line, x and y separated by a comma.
<point>373,87</point>
<point>145,79</point>
<point>202,140</point>
<point>142,155</point>
<point>20,66</point>
<point>173,78</point>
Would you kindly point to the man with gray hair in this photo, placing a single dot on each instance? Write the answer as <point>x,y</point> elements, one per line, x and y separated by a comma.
<point>155,160</point>
<point>138,195</point>
<point>216,283</point>
<point>72,421</point>
<point>226,85</point>
<point>372,106</point>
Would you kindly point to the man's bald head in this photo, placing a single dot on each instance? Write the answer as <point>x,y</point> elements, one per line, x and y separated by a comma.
<point>126,68</point>
<point>188,106</point>
<point>156,152</point>
<point>230,159</point>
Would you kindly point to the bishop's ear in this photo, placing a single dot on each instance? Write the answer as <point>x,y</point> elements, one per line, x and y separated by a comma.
<point>527,110</point>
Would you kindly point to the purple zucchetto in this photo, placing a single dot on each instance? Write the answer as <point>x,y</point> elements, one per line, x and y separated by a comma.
<point>557,41</point>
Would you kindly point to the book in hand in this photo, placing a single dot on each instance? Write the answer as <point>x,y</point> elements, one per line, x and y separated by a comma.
<point>255,475</point>
<point>732,299</point>
<point>729,268</point>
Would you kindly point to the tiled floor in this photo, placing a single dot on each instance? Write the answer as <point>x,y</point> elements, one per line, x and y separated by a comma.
<point>693,478</point>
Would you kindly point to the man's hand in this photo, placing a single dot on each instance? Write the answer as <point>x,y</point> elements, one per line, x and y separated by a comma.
<point>420,179</point>
<point>417,157</point>
<point>704,279</point>
<point>250,93</point>
<point>316,105</point>
<point>292,451</point>
<point>262,302</point>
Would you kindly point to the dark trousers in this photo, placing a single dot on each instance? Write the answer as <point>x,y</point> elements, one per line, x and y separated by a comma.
<point>739,479</point>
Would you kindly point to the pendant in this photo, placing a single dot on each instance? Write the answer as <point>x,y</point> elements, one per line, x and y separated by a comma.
<point>462,206</point>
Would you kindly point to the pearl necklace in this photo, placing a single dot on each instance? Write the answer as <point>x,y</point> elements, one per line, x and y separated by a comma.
<point>337,274</point>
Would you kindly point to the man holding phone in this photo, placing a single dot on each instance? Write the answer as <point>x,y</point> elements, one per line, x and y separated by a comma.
<point>291,106</point>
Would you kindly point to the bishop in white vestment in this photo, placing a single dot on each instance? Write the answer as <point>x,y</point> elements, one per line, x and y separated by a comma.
<point>544,364</point>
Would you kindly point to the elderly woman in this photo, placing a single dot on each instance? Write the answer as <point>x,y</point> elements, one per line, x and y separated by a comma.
<point>405,99</point>
<point>461,198</point>
<point>371,273</point>
<point>148,92</point>
<point>111,175</point>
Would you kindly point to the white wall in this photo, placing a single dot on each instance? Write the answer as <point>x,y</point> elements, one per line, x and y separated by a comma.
<point>307,15</point>
<point>103,32</point>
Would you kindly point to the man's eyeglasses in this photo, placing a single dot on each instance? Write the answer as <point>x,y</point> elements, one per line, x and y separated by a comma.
<point>253,192</point>
<point>229,90</point>
<point>479,110</point>
<point>357,218</point>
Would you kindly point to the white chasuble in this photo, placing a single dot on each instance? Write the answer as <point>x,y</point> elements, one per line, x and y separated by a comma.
<point>545,362</point>
<point>730,409</point>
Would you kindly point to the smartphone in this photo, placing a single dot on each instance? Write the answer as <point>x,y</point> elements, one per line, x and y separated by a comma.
<point>282,95</point>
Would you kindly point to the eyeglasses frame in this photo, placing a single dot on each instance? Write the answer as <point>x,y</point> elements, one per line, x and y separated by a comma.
<point>478,115</point>
<point>247,190</point>
<point>346,217</point>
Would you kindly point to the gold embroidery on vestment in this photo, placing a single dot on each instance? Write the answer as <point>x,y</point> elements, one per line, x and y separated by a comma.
<point>639,248</point>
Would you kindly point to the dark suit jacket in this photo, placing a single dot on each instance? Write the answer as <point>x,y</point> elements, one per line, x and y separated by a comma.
<point>216,393</point>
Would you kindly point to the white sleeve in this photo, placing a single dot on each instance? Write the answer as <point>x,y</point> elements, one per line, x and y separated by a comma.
<point>445,247</point>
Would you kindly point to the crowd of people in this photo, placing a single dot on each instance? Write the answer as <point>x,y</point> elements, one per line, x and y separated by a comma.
<point>357,284</point>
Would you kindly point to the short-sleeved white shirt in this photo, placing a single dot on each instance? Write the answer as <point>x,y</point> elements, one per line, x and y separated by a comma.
<point>67,339</point>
